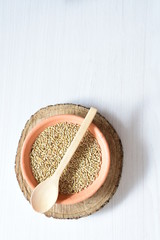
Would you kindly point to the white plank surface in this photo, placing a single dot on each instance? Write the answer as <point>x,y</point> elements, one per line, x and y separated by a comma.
<point>104,53</point>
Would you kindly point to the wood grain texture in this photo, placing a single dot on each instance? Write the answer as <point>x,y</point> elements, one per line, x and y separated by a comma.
<point>102,53</point>
<point>104,194</point>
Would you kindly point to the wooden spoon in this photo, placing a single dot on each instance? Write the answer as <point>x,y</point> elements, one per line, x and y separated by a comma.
<point>45,194</point>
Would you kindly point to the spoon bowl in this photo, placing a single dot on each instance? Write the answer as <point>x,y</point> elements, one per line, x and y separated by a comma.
<point>45,195</point>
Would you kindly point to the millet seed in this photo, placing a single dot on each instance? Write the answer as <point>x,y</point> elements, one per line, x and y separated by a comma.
<point>49,149</point>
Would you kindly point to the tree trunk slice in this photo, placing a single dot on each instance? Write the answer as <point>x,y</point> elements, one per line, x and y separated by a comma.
<point>104,194</point>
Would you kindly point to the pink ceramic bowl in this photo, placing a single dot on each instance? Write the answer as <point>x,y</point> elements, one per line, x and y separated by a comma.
<point>105,155</point>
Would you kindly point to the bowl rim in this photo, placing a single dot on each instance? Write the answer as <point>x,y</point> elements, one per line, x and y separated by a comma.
<point>95,131</point>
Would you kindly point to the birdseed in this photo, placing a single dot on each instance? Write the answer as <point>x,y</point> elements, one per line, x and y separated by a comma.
<point>49,149</point>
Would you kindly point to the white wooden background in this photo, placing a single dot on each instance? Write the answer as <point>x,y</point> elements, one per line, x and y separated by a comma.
<point>102,53</point>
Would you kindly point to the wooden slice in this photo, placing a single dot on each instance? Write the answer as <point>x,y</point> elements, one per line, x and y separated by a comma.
<point>104,194</point>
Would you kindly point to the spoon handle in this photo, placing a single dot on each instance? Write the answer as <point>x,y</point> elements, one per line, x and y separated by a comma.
<point>76,141</point>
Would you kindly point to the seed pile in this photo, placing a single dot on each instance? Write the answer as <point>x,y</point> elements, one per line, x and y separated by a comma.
<point>49,149</point>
